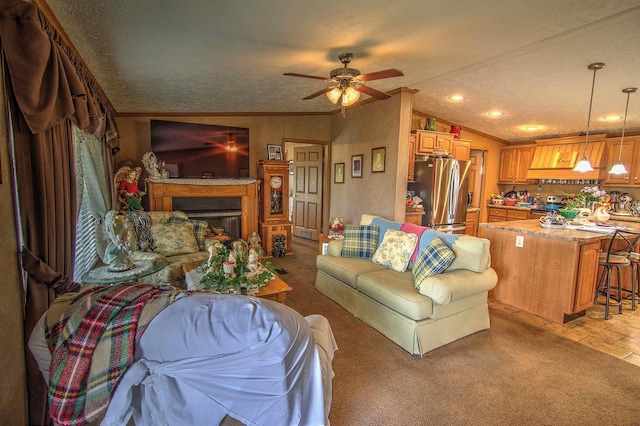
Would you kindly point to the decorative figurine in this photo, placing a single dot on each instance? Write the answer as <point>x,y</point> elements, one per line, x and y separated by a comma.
<point>126,185</point>
<point>155,169</point>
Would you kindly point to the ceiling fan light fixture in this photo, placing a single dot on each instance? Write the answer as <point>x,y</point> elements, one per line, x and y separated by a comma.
<point>350,96</point>
<point>618,168</point>
<point>584,165</point>
<point>334,95</point>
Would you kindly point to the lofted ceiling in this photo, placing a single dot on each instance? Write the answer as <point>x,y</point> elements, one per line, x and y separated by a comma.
<point>526,58</point>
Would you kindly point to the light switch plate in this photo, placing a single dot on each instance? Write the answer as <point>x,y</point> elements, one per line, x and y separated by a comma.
<point>519,241</point>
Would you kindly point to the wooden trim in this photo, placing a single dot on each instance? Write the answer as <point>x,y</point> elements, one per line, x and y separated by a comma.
<point>216,114</point>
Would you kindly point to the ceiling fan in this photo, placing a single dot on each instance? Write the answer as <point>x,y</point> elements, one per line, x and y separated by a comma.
<point>347,83</point>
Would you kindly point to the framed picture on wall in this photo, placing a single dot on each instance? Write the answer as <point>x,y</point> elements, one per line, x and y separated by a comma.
<point>377,159</point>
<point>338,173</point>
<point>356,166</point>
<point>274,151</point>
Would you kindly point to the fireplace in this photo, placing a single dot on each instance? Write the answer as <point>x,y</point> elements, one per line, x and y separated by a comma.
<point>233,202</point>
<point>218,212</point>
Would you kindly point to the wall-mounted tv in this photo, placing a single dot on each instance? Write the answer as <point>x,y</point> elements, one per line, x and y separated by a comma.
<point>192,150</point>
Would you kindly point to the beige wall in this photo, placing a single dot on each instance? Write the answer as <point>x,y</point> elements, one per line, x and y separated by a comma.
<point>372,125</point>
<point>13,400</point>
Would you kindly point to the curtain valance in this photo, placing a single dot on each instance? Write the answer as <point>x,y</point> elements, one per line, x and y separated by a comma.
<point>50,82</point>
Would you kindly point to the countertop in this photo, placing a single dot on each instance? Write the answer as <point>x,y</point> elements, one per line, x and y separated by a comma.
<point>532,226</point>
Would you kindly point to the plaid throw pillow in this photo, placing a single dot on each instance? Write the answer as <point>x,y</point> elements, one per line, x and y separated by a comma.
<point>199,229</point>
<point>360,241</point>
<point>434,259</point>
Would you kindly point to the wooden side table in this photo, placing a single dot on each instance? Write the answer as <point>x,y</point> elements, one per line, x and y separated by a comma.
<point>322,241</point>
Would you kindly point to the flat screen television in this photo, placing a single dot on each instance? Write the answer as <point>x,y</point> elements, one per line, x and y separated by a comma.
<point>192,150</point>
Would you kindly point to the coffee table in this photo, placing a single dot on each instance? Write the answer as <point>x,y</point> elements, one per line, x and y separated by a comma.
<point>276,290</point>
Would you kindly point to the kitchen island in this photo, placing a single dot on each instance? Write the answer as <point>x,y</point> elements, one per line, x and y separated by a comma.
<point>548,272</point>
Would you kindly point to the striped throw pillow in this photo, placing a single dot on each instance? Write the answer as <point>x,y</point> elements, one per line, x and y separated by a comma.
<point>360,241</point>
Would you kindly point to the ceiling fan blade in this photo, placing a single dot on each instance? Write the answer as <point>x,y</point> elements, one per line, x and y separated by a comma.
<point>373,92</point>
<point>293,74</point>
<point>391,72</point>
<point>318,93</point>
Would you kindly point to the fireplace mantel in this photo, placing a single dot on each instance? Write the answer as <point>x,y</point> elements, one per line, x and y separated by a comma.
<point>162,191</point>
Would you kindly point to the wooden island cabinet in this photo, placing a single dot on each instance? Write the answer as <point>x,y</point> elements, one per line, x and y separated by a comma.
<point>548,272</point>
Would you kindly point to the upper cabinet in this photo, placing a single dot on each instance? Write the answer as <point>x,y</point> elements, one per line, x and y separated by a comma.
<point>514,164</point>
<point>423,142</point>
<point>629,154</point>
<point>426,141</point>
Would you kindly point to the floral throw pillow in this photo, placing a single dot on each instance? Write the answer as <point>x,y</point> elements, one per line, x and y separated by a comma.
<point>360,241</point>
<point>432,260</point>
<point>199,229</point>
<point>395,250</point>
<point>174,238</point>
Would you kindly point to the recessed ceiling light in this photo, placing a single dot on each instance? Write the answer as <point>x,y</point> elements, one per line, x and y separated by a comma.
<point>531,128</point>
<point>495,113</point>
<point>456,98</point>
<point>612,118</point>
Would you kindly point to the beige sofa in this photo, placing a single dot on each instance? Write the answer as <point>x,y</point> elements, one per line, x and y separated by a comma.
<point>173,246</point>
<point>446,307</point>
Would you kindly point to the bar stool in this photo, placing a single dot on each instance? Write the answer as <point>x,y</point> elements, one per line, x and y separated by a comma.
<point>634,258</point>
<point>618,255</point>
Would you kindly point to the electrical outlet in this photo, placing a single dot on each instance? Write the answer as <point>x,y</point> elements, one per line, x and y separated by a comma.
<point>519,241</point>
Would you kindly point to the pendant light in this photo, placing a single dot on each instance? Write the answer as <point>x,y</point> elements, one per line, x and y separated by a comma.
<point>584,165</point>
<point>618,168</point>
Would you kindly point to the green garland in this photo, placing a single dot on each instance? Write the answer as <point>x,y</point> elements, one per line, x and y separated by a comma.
<point>216,279</point>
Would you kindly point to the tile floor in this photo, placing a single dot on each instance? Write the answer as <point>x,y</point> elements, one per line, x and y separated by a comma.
<point>619,336</point>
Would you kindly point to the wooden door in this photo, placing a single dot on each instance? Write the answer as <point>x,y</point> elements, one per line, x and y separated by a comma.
<point>307,191</point>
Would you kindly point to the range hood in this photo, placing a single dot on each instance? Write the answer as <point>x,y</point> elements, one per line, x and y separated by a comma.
<point>556,158</point>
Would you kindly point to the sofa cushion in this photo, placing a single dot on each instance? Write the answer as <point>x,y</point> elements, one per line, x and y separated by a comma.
<point>430,234</point>
<point>199,229</point>
<point>433,259</point>
<point>366,219</point>
<point>395,250</point>
<point>346,269</point>
<point>472,253</point>
<point>395,291</point>
<point>384,225</point>
<point>158,216</point>
<point>457,285</point>
<point>360,241</point>
<point>417,230</point>
<point>172,239</point>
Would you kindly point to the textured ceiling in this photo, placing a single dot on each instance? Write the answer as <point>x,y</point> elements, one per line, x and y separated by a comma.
<point>527,58</point>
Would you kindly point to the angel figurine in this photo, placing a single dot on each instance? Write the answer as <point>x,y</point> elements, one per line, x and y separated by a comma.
<point>123,241</point>
<point>126,186</point>
<point>155,169</point>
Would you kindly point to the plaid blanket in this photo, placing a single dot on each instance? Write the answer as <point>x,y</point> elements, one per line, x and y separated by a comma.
<point>93,344</point>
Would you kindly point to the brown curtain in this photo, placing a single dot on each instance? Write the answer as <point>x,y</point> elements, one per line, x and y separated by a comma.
<point>48,88</point>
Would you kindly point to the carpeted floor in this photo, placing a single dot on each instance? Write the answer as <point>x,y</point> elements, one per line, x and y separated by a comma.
<point>512,374</point>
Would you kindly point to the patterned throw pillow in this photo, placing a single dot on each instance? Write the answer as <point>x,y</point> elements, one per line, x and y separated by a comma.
<point>360,241</point>
<point>174,238</point>
<point>199,229</point>
<point>395,250</point>
<point>434,259</point>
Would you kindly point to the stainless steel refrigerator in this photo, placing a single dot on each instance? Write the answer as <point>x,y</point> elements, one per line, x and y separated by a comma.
<point>442,183</point>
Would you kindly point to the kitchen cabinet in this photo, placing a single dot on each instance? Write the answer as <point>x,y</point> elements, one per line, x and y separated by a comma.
<point>461,150</point>
<point>412,158</point>
<point>497,215</point>
<point>471,226</point>
<point>630,157</point>
<point>426,141</point>
<point>548,272</point>
<point>514,164</point>
<point>414,217</point>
